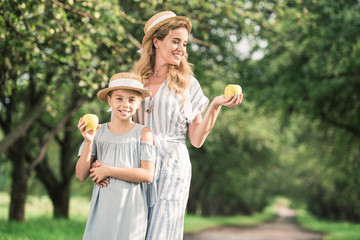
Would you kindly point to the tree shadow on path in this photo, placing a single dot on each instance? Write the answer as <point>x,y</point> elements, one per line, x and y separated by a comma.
<point>283,227</point>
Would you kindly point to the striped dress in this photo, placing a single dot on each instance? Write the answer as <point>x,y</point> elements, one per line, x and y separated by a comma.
<point>168,120</point>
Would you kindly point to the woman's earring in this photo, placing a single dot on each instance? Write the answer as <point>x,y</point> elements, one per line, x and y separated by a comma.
<point>156,46</point>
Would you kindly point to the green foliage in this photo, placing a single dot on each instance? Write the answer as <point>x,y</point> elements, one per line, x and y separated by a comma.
<point>56,56</point>
<point>311,64</point>
<point>333,230</point>
<point>237,166</point>
<point>310,70</point>
<point>296,133</point>
<point>39,225</point>
<point>327,174</point>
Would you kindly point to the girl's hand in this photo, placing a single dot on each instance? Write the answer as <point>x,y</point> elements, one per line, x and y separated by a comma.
<point>89,134</point>
<point>231,101</point>
<point>102,183</point>
<point>99,173</point>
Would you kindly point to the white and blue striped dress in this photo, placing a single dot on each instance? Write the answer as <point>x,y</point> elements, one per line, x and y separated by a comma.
<point>168,120</point>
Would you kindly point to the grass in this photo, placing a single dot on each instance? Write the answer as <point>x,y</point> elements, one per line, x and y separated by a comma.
<point>194,223</point>
<point>39,223</point>
<point>333,230</point>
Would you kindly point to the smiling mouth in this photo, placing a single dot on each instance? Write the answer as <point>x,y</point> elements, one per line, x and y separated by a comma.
<point>124,112</point>
<point>178,56</point>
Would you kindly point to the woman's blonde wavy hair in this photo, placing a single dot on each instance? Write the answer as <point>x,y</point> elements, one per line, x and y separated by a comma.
<point>178,76</point>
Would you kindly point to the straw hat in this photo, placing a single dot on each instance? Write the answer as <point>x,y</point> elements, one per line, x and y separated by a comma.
<point>160,19</point>
<point>125,80</point>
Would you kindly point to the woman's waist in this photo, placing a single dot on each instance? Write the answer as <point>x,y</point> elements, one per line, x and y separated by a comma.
<point>169,138</point>
<point>166,144</point>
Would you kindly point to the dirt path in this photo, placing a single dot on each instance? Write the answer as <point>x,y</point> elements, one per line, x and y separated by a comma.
<point>283,227</point>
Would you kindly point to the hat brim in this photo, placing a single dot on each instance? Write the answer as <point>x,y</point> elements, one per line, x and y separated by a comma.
<point>156,26</point>
<point>103,93</point>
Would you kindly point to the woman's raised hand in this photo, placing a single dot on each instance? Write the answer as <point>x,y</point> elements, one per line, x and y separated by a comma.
<point>231,101</point>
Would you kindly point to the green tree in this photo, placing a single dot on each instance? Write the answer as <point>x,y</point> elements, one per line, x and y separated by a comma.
<point>311,69</point>
<point>56,56</point>
<point>54,47</point>
<point>311,64</point>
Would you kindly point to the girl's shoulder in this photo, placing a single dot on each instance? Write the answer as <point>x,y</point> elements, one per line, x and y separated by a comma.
<point>142,128</point>
<point>145,132</point>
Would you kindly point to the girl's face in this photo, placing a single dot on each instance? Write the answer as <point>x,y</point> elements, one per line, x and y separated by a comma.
<point>172,48</point>
<point>124,103</point>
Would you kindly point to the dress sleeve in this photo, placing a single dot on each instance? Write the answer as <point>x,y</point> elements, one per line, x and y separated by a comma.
<point>147,152</point>
<point>196,101</point>
<point>93,150</point>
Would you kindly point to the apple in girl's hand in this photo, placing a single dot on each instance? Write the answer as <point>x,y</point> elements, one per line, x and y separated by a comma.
<point>92,121</point>
<point>232,89</point>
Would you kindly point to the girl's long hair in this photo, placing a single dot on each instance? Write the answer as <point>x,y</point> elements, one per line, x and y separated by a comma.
<point>178,76</point>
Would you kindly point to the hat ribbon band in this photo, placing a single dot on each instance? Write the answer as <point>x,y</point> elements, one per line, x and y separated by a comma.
<point>162,18</point>
<point>126,82</point>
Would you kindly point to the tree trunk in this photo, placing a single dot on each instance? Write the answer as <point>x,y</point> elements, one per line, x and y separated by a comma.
<point>19,178</point>
<point>191,204</point>
<point>59,191</point>
<point>60,198</point>
<point>62,195</point>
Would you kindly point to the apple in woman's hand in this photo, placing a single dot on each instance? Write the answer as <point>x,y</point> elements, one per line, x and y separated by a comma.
<point>232,89</point>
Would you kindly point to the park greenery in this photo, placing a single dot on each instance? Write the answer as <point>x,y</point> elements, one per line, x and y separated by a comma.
<point>296,134</point>
<point>39,213</point>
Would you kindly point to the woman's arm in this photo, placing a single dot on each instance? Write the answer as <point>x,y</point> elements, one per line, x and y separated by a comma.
<point>144,173</point>
<point>201,127</point>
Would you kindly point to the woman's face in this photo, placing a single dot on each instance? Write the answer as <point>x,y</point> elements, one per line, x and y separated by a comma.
<point>172,48</point>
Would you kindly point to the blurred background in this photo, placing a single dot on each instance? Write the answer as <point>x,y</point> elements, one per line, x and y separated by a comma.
<point>296,134</point>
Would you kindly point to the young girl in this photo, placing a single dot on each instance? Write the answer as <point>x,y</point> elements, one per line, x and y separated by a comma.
<point>124,152</point>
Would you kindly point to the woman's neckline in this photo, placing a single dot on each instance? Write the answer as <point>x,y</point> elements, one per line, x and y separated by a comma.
<point>157,90</point>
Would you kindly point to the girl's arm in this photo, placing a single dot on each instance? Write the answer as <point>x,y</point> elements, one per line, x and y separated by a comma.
<point>85,159</point>
<point>201,127</point>
<point>144,173</point>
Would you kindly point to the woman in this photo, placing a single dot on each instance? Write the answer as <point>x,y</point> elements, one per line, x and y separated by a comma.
<point>174,108</point>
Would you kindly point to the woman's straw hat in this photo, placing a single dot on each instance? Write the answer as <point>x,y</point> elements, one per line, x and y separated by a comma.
<point>160,19</point>
<point>125,80</point>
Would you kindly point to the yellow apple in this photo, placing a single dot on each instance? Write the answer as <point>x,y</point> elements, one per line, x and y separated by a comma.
<point>92,121</point>
<point>232,89</point>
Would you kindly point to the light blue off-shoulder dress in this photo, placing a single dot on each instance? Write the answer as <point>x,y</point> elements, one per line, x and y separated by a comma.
<point>168,119</point>
<point>120,210</point>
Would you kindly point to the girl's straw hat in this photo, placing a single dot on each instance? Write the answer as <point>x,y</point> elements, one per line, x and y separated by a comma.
<point>125,80</point>
<point>160,19</point>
